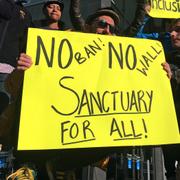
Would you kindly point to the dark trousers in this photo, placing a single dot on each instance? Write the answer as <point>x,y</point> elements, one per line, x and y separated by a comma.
<point>171,155</point>
<point>4,95</point>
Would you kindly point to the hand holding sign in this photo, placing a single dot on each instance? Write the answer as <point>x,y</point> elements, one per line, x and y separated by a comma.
<point>111,97</point>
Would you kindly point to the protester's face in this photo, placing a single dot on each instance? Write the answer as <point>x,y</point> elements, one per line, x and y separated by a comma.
<point>175,35</point>
<point>53,12</point>
<point>103,25</point>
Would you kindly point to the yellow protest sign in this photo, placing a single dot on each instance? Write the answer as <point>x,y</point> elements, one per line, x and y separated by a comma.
<point>165,8</point>
<point>89,90</point>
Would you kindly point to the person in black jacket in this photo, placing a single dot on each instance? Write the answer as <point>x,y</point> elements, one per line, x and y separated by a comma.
<point>14,22</point>
<point>171,152</point>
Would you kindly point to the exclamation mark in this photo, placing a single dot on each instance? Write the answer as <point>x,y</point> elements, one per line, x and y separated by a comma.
<point>158,44</point>
<point>145,128</point>
<point>101,41</point>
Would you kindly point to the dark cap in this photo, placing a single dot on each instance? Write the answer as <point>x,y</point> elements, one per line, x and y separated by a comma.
<point>104,11</point>
<point>59,2</point>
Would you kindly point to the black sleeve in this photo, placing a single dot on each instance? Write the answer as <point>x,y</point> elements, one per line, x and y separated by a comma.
<point>75,15</point>
<point>138,20</point>
<point>28,24</point>
<point>6,8</point>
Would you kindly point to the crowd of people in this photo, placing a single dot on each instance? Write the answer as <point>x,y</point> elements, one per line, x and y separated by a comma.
<point>14,23</point>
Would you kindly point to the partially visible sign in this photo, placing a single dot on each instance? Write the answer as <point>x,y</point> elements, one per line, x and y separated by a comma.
<point>165,8</point>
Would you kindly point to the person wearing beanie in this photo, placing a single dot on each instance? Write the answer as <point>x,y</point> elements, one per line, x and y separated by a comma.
<point>52,9</point>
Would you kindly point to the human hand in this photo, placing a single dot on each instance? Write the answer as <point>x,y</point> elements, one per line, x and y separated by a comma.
<point>167,68</point>
<point>147,8</point>
<point>24,62</point>
<point>104,163</point>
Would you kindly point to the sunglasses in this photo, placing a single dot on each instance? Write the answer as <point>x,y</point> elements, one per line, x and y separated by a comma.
<point>103,24</point>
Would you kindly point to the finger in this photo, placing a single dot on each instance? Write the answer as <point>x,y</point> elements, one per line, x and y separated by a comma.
<point>167,68</point>
<point>22,68</point>
<point>25,59</point>
<point>23,63</point>
<point>24,55</point>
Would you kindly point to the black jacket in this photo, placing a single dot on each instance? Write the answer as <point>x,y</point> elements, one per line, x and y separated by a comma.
<point>173,58</point>
<point>42,23</point>
<point>14,21</point>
